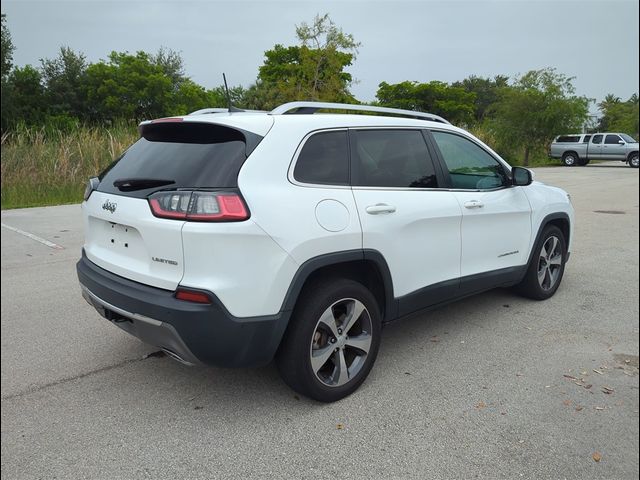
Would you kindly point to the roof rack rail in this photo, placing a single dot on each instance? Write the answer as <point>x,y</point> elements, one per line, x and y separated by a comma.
<point>210,110</point>
<point>224,110</point>
<point>313,107</point>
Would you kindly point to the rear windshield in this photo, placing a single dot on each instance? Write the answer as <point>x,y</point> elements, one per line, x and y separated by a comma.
<point>190,155</point>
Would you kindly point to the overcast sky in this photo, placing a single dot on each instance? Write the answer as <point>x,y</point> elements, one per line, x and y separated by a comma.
<point>595,41</point>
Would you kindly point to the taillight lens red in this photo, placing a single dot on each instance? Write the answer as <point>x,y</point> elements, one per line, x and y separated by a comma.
<point>192,296</point>
<point>199,206</point>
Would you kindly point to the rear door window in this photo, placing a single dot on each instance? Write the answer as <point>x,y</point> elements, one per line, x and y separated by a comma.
<point>189,155</point>
<point>393,158</point>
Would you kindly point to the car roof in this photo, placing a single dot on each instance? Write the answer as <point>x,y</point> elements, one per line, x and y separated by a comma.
<point>305,114</point>
<point>261,122</point>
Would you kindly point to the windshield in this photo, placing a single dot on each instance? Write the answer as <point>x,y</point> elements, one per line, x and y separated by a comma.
<point>628,138</point>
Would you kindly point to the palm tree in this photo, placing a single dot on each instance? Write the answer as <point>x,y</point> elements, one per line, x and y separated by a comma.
<point>608,102</point>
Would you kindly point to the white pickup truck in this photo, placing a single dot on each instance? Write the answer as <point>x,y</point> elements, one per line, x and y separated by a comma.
<point>580,148</point>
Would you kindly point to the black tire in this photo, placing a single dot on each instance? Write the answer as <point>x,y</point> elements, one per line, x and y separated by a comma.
<point>531,286</point>
<point>570,159</point>
<point>582,162</point>
<point>633,160</point>
<point>294,356</point>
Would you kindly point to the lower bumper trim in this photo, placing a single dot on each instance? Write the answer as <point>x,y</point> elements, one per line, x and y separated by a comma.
<point>149,330</point>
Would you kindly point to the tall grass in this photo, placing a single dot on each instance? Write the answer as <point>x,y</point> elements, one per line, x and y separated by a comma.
<point>45,166</point>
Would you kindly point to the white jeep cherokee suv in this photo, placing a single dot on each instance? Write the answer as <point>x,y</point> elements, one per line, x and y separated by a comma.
<point>231,238</point>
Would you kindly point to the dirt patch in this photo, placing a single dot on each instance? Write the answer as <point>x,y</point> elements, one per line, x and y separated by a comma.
<point>626,360</point>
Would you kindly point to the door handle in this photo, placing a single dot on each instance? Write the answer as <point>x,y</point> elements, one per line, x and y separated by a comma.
<point>473,204</point>
<point>380,208</point>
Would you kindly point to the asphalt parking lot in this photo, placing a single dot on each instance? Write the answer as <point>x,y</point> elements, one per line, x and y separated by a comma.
<point>494,386</point>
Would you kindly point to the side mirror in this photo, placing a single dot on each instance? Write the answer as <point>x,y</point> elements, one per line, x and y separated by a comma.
<point>521,177</point>
<point>621,142</point>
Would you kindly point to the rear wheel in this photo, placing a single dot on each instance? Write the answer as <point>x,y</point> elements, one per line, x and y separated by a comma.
<point>570,159</point>
<point>583,162</point>
<point>546,269</point>
<point>332,340</point>
<point>633,160</point>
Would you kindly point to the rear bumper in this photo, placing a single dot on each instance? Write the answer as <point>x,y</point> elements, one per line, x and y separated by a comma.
<point>195,333</point>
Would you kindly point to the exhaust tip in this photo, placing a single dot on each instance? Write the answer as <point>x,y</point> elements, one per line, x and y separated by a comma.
<point>176,357</point>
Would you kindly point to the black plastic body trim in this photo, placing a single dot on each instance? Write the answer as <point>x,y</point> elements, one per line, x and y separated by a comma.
<point>545,221</point>
<point>451,290</point>
<point>330,259</point>
<point>209,333</point>
<point>427,297</point>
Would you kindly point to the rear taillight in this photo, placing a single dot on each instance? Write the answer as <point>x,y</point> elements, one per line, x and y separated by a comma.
<point>192,296</point>
<point>199,206</point>
<point>92,184</point>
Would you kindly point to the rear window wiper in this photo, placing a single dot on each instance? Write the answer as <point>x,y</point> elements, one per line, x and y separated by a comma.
<point>131,184</point>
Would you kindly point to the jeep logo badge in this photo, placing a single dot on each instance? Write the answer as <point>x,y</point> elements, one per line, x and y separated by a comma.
<point>109,206</point>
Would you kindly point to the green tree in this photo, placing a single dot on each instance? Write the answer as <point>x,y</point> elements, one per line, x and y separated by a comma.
<point>128,86</point>
<point>64,82</point>
<point>453,103</point>
<point>6,51</point>
<point>619,116</point>
<point>191,97</point>
<point>28,105</point>
<point>6,48</point>
<point>171,64</point>
<point>535,108</point>
<point>313,70</point>
<point>486,91</point>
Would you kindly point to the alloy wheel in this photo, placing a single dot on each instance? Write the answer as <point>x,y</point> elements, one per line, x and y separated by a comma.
<point>550,263</point>
<point>341,342</point>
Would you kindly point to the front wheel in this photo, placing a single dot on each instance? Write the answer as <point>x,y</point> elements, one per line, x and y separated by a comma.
<point>546,268</point>
<point>633,160</point>
<point>332,340</point>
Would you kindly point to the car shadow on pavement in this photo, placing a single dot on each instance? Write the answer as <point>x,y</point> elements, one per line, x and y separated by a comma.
<point>406,344</point>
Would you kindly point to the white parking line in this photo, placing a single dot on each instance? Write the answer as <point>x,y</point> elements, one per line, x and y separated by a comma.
<point>33,237</point>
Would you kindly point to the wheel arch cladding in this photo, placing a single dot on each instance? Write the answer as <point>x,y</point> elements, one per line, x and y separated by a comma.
<point>558,219</point>
<point>365,266</point>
